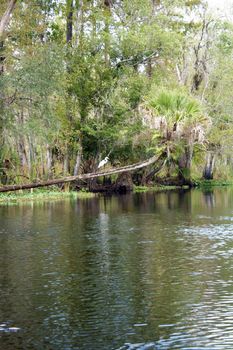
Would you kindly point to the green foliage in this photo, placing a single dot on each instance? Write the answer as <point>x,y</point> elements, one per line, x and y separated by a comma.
<point>180,124</point>
<point>84,97</point>
<point>42,196</point>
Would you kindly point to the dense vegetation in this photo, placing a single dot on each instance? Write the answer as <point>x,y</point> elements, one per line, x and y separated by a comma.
<point>83,79</point>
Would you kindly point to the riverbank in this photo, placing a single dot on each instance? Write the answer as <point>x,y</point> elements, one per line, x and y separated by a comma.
<point>157,188</point>
<point>212,183</point>
<point>55,194</point>
<point>42,195</point>
<point>202,184</point>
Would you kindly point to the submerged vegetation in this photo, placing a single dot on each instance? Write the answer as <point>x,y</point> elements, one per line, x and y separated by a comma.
<point>82,80</point>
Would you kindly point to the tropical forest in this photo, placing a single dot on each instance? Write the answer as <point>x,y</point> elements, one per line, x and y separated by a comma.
<point>129,80</point>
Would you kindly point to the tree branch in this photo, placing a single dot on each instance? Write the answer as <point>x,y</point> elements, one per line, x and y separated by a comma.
<point>119,170</point>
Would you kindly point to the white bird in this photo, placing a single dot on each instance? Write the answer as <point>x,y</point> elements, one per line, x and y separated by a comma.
<point>103,162</point>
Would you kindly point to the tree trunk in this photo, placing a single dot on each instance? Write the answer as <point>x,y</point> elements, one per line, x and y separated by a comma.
<point>124,183</point>
<point>184,164</point>
<point>69,38</point>
<point>78,161</point>
<point>68,179</point>
<point>69,21</point>
<point>22,154</point>
<point>48,160</point>
<point>107,12</point>
<point>209,166</point>
<point>5,20</point>
<point>149,176</point>
<point>66,164</point>
<point>79,24</point>
<point>149,68</point>
<point>32,157</point>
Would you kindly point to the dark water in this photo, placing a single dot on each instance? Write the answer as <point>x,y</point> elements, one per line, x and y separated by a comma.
<point>143,271</point>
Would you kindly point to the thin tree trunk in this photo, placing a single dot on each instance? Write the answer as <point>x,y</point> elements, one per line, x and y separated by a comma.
<point>68,179</point>
<point>78,160</point>
<point>79,24</point>
<point>22,154</point>
<point>149,68</point>
<point>69,38</point>
<point>149,64</point>
<point>209,166</point>
<point>69,21</point>
<point>66,164</point>
<point>107,7</point>
<point>31,156</point>
<point>184,164</point>
<point>5,20</point>
<point>48,160</point>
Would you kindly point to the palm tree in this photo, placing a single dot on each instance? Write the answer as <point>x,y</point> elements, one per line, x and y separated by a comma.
<point>180,126</point>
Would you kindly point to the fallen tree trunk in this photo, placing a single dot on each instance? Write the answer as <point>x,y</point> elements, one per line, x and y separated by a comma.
<point>119,170</point>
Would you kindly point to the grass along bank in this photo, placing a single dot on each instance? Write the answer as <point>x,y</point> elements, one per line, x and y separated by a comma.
<point>42,195</point>
<point>202,184</point>
<point>212,183</point>
<point>157,188</point>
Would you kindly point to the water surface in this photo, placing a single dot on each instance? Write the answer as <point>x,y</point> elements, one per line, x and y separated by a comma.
<point>142,271</point>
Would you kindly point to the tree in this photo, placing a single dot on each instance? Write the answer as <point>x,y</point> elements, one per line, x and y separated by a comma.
<point>180,126</point>
<point>81,77</point>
